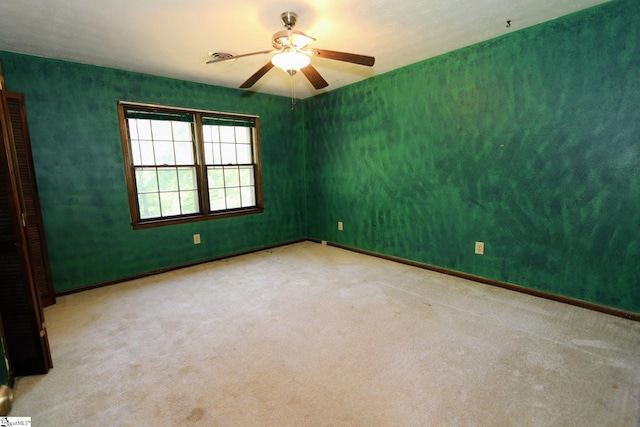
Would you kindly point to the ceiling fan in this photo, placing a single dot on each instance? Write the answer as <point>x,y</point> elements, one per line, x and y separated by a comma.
<point>293,54</point>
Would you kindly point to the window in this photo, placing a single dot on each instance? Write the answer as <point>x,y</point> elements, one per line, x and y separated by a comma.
<point>188,165</point>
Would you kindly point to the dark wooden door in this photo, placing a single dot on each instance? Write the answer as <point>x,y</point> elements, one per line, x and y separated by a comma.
<point>6,370</point>
<point>28,192</point>
<point>24,327</point>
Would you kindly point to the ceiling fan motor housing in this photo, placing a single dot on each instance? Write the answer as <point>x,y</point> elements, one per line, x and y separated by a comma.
<point>289,19</point>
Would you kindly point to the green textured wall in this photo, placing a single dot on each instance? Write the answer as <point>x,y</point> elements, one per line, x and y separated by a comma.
<point>528,142</point>
<point>78,159</point>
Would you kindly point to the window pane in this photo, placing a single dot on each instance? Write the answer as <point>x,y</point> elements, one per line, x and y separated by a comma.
<point>168,180</point>
<point>231,177</point>
<point>233,198</point>
<point>146,153</point>
<point>146,181</point>
<point>164,153</point>
<point>187,178</point>
<point>216,199</point>
<point>215,177</point>
<point>248,196</point>
<point>161,130</point>
<point>189,202</point>
<point>182,131</point>
<point>242,135</point>
<point>206,133</point>
<point>170,203</point>
<point>210,133</point>
<point>227,133</point>
<point>184,153</point>
<point>143,128</point>
<point>135,152</point>
<point>246,176</point>
<point>212,153</point>
<point>244,153</point>
<point>217,155</point>
<point>208,153</point>
<point>149,205</point>
<point>133,128</point>
<point>229,154</point>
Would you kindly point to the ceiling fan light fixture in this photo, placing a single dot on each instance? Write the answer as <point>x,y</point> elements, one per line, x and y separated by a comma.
<point>291,38</point>
<point>291,62</point>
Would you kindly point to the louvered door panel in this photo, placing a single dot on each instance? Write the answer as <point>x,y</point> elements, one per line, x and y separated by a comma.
<point>20,306</point>
<point>36,242</point>
<point>20,322</point>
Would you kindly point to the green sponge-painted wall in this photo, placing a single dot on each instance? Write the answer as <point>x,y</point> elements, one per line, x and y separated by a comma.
<point>529,142</point>
<point>75,137</point>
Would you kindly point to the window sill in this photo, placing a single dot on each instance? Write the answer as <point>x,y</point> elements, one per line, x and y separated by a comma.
<point>159,222</point>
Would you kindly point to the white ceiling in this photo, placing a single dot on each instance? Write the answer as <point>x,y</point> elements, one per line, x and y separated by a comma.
<point>173,38</point>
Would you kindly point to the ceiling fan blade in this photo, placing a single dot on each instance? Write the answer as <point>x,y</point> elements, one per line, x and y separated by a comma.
<point>314,77</point>
<point>258,74</point>
<point>232,57</point>
<point>346,57</point>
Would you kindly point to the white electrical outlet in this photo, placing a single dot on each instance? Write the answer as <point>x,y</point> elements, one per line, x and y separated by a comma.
<point>340,226</point>
<point>480,248</point>
<point>196,239</point>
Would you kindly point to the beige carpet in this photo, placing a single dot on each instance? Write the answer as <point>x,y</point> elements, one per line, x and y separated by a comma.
<point>311,335</point>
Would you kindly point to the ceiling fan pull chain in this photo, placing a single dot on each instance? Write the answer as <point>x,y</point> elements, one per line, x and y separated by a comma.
<point>293,92</point>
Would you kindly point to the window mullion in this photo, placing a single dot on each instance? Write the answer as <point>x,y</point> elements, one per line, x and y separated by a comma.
<point>201,167</point>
